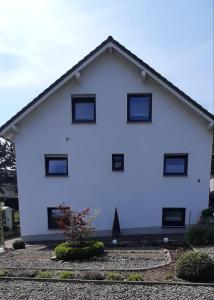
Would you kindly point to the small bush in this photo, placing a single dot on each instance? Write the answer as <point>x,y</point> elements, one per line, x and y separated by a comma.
<point>135,277</point>
<point>200,234</point>
<point>3,273</point>
<point>44,274</point>
<point>208,212</point>
<point>195,266</point>
<point>93,275</point>
<point>169,276</point>
<point>18,245</point>
<point>66,275</point>
<point>114,276</point>
<point>66,252</point>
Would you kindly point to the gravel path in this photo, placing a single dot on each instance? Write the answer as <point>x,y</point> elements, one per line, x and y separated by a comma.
<point>38,290</point>
<point>39,257</point>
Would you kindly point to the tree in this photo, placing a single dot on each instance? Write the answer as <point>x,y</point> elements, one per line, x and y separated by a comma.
<point>7,164</point>
<point>77,225</point>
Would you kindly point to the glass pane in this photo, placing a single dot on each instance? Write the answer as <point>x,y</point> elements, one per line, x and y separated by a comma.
<point>57,166</point>
<point>118,162</point>
<point>175,165</point>
<point>56,216</point>
<point>139,108</point>
<point>84,111</point>
<point>173,216</point>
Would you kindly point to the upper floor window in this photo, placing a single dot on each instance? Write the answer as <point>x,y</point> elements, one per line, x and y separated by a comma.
<point>175,164</point>
<point>117,162</point>
<point>56,165</point>
<point>139,108</point>
<point>83,109</point>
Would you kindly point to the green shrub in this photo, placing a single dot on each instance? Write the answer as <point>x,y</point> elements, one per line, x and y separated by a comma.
<point>66,275</point>
<point>169,276</point>
<point>93,275</point>
<point>3,273</point>
<point>195,266</point>
<point>44,274</point>
<point>66,252</point>
<point>208,212</point>
<point>18,245</point>
<point>135,277</point>
<point>114,276</point>
<point>200,234</point>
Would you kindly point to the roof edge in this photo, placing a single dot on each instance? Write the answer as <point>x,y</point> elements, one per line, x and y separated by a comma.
<point>88,56</point>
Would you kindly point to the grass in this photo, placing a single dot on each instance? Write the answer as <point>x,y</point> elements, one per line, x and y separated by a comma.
<point>44,274</point>
<point>66,275</point>
<point>3,273</point>
<point>114,276</point>
<point>135,277</point>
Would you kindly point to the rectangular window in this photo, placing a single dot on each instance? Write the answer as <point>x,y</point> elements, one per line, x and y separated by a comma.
<point>117,162</point>
<point>83,109</point>
<point>175,164</point>
<point>54,217</point>
<point>139,108</point>
<point>56,165</point>
<point>173,217</point>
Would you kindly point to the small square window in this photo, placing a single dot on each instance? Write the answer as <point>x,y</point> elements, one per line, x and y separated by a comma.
<point>175,164</point>
<point>56,165</point>
<point>83,110</point>
<point>139,108</point>
<point>117,162</point>
<point>55,215</point>
<point>173,217</point>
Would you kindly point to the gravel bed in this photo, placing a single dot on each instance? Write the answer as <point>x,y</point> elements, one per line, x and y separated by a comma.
<point>39,290</point>
<point>208,249</point>
<point>39,257</point>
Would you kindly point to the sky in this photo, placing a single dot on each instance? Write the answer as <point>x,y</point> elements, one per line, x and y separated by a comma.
<point>41,39</point>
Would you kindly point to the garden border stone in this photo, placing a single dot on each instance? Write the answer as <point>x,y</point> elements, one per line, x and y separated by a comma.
<point>162,264</point>
<point>108,282</point>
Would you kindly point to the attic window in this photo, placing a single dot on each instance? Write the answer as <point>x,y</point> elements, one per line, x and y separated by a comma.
<point>83,109</point>
<point>139,108</point>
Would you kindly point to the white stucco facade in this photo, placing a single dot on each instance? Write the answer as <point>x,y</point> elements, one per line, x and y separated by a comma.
<point>141,191</point>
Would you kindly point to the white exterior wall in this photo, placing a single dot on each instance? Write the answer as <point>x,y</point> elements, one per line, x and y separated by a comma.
<point>141,191</point>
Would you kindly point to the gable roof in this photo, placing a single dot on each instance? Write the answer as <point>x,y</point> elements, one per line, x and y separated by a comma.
<point>109,42</point>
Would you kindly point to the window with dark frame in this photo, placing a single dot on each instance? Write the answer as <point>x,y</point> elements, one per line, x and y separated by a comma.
<point>83,109</point>
<point>139,107</point>
<point>56,165</point>
<point>117,162</point>
<point>173,217</point>
<point>175,164</point>
<point>54,217</point>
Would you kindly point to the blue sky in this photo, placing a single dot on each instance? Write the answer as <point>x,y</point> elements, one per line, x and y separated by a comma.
<point>40,40</point>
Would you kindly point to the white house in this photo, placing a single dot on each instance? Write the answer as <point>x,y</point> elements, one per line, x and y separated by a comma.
<point>112,132</point>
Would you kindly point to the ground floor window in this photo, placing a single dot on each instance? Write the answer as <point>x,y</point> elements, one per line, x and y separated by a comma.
<point>54,217</point>
<point>173,217</point>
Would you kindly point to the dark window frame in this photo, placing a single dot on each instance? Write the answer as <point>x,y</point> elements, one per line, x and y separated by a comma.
<point>49,157</point>
<point>176,155</point>
<point>113,162</point>
<point>51,225</point>
<point>129,119</point>
<point>174,224</point>
<point>83,99</point>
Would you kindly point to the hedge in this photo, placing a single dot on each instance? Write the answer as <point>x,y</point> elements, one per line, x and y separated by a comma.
<point>66,252</point>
